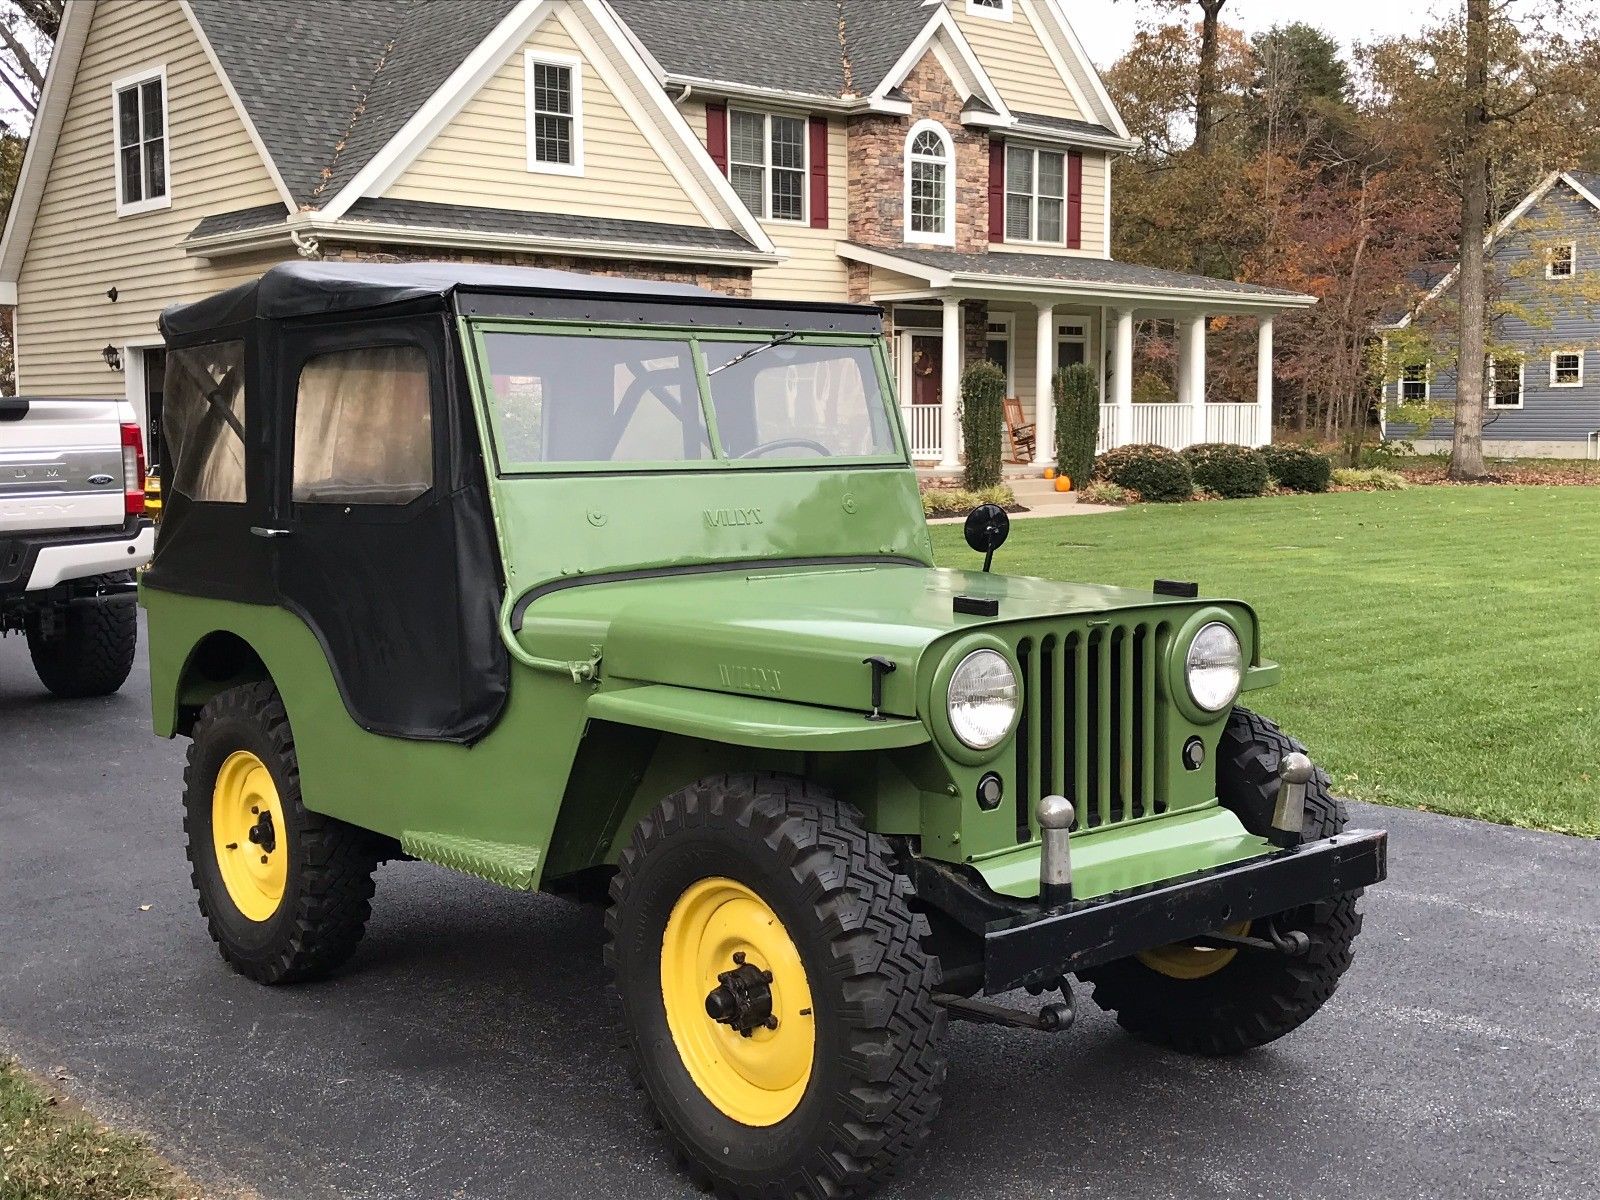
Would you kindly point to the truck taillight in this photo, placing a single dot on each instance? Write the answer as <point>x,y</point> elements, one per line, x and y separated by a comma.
<point>132,470</point>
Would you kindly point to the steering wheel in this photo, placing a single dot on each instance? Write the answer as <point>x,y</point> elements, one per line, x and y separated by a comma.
<point>766,448</point>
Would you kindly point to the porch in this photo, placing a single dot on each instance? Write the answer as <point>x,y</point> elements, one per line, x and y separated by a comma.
<point>1031,313</point>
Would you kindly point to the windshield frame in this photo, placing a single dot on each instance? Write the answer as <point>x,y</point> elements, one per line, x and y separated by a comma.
<point>475,329</point>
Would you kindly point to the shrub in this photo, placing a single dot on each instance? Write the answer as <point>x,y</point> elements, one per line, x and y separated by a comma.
<point>983,394</point>
<point>1231,472</point>
<point>1155,472</point>
<point>1298,468</point>
<point>1370,479</point>
<point>1077,399</point>
<point>1103,492</point>
<point>962,500</point>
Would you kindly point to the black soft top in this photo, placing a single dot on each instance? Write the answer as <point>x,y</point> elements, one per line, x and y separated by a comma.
<point>304,289</point>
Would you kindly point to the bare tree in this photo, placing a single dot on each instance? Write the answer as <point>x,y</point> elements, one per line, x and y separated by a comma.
<point>27,29</point>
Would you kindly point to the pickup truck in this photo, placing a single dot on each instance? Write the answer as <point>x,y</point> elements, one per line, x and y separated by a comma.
<point>72,531</point>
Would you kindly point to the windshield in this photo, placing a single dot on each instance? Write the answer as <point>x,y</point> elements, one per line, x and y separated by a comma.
<point>596,399</point>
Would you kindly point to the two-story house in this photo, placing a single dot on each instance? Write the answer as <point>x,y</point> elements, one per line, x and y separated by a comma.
<point>1541,394</point>
<point>949,160</point>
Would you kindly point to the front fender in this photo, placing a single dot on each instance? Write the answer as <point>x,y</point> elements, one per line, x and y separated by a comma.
<point>751,720</point>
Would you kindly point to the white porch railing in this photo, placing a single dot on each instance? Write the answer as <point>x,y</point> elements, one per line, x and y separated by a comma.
<point>925,428</point>
<point>1233,423</point>
<point>1169,425</point>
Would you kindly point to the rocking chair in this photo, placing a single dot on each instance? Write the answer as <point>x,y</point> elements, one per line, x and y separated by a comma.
<point>1021,433</point>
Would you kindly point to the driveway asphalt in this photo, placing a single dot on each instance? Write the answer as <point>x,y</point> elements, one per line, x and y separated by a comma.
<point>466,1050</point>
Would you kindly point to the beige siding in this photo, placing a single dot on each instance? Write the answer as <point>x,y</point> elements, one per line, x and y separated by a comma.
<point>813,269</point>
<point>1095,166</point>
<point>487,144</point>
<point>1014,55</point>
<point>80,248</point>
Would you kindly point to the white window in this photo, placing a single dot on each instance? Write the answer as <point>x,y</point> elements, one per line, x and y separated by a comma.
<point>1561,262</point>
<point>139,132</point>
<point>1415,384</point>
<point>555,113</point>
<point>999,10</point>
<point>1505,381</point>
<point>930,186</point>
<point>767,163</point>
<point>1036,191</point>
<point>1566,369</point>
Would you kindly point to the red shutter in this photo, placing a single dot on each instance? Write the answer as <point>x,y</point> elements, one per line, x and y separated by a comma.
<point>997,191</point>
<point>1075,199</point>
<point>717,135</point>
<point>819,172</point>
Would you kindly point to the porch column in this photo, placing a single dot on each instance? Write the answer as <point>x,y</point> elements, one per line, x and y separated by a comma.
<point>1122,380</point>
<point>1193,365</point>
<point>950,385</point>
<point>1264,383</point>
<point>1044,408</point>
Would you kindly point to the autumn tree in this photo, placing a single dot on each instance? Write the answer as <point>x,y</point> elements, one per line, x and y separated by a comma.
<point>1489,94</point>
<point>27,29</point>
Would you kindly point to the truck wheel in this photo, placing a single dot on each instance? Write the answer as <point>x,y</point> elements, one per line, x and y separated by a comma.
<point>1217,1002</point>
<point>285,892</point>
<point>776,1000</point>
<point>87,650</point>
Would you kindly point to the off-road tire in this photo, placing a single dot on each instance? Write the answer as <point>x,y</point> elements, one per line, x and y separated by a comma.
<point>327,894</point>
<point>92,651</point>
<point>1257,998</point>
<point>879,1065</point>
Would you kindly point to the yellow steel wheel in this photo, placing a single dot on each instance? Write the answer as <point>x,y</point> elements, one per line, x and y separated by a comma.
<point>721,941</point>
<point>248,833</point>
<point>1179,961</point>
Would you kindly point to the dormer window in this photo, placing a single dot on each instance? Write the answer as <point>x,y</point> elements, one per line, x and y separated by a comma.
<point>1562,261</point>
<point>555,114</point>
<point>139,111</point>
<point>999,10</point>
<point>930,190</point>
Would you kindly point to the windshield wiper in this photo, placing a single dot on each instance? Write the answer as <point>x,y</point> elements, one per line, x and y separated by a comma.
<point>754,350</point>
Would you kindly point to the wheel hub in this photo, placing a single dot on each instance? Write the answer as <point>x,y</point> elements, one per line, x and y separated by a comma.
<point>737,1002</point>
<point>742,998</point>
<point>246,817</point>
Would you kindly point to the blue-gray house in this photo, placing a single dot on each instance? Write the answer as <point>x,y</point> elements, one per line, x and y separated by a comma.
<point>1542,391</point>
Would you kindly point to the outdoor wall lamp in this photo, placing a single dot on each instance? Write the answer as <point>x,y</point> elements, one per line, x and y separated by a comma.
<point>113,357</point>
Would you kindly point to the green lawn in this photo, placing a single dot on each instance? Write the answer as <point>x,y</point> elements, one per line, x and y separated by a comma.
<point>1441,646</point>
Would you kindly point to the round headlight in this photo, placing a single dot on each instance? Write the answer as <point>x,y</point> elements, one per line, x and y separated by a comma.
<point>1214,667</point>
<point>982,699</point>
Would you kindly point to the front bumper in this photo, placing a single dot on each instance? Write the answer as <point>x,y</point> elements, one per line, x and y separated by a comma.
<point>1035,947</point>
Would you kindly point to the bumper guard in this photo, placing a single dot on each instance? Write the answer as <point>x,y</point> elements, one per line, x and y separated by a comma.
<point>1034,948</point>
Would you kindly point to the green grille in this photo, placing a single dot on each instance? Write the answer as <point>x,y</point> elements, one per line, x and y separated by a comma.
<point>1092,728</point>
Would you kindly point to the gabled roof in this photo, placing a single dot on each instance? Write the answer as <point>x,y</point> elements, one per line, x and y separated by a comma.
<point>327,85</point>
<point>1587,186</point>
<point>830,48</point>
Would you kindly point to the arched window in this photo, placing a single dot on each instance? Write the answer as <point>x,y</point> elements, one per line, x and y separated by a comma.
<point>930,185</point>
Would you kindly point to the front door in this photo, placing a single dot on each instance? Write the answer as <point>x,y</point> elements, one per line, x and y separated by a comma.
<point>927,374</point>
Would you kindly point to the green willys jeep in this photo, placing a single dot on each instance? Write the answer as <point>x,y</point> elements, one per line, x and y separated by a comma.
<point>623,590</point>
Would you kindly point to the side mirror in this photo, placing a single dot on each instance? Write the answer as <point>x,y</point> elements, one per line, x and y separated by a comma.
<point>987,528</point>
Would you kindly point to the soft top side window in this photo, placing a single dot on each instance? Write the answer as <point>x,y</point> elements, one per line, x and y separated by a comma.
<point>204,414</point>
<point>363,427</point>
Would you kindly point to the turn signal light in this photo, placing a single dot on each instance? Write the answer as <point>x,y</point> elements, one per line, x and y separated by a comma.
<point>132,470</point>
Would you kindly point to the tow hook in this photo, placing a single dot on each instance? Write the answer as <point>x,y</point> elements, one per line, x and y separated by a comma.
<point>1055,1017</point>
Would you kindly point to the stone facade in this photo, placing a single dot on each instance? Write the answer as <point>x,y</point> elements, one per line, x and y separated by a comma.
<point>974,331</point>
<point>731,281</point>
<point>877,165</point>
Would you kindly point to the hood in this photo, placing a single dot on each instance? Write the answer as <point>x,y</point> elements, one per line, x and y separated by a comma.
<point>798,634</point>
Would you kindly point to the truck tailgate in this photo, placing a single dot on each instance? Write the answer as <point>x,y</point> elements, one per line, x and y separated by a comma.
<point>60,464</point>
